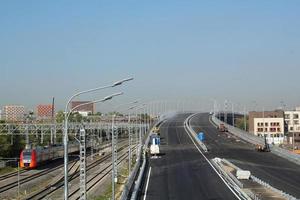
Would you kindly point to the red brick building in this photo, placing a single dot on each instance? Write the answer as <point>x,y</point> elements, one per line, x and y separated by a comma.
<point>44,111</point>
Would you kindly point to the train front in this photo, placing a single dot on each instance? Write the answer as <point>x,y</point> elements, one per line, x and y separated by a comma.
<point>28,159</point>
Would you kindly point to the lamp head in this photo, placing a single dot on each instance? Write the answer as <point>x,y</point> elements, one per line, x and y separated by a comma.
<point>122,81</point>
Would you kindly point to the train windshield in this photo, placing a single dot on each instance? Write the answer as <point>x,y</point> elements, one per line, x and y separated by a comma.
<point>27,155</point>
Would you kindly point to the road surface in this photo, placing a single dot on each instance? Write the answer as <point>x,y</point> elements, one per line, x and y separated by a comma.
<point>181,172</point>
<point>278,172</point>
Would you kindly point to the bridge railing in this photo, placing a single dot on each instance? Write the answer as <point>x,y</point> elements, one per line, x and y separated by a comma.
<point>253,139</point>
<point>135,178</point>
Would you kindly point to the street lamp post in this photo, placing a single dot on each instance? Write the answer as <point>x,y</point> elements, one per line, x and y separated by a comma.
<point>232,110</point>
<point>66,114</point>
<point>82,148</point>
<point>140,129</point>
<point>245,123</point>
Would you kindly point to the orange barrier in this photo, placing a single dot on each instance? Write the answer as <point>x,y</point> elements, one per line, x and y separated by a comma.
<point>297,151</point>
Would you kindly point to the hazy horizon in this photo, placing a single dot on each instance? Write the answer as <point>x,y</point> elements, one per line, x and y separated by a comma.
<point>177,51</point>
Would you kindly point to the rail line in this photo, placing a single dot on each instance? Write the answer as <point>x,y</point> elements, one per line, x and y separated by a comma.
<point>108,171</point>
<point>48,190</point>
<point>30,177</point>
<point>11,174</point>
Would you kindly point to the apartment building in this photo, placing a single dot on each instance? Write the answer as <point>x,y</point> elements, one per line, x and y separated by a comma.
<point>44,111</point>
<point>269,124</point>
<point>292,119</point>
<point>14,113</point>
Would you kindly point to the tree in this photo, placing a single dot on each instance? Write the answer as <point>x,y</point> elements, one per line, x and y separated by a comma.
<point>98,113</point>
<point>240,123</point>
<point>115,113</point>
<point>76,117</point>
<point>60,116</point>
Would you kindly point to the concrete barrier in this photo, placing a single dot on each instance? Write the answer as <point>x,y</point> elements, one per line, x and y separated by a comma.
<point>190,130</point>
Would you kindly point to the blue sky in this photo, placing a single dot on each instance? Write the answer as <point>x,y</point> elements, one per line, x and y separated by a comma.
<point>192,51</point>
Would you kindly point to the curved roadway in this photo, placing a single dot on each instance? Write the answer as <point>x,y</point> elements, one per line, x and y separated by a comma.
<point>181,172</point>
<point>278,172</point>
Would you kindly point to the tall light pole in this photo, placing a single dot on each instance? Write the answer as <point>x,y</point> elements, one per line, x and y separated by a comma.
<point>232,110</point>
<point>114,150</point>
<point>82,149</point>
<point>140,129</point>
<point>245,123</point>
<point>129,140</point>
<point>66,114</point>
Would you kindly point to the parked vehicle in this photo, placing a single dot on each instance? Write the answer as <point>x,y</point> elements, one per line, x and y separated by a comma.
<point>222,128</point>
<point>154,146</point>
<point>263,148</point>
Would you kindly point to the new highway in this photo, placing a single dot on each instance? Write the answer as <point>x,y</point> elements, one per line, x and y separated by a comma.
<point>278,172</point>
<point>181,171</point>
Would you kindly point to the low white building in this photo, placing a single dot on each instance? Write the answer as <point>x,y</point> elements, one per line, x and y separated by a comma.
<point>271,128</point>
<point>292,119</point>
<point>84,113</point>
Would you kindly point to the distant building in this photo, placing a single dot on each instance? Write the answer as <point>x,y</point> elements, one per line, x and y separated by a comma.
<point>269,124</point>
<point>14,113</point>
<point>44,111</point>
<point>85,110</point>
<point>292,119</point>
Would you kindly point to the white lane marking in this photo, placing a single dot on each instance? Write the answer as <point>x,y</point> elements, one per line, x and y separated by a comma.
<point>147,184</point>
<point>207,159</point>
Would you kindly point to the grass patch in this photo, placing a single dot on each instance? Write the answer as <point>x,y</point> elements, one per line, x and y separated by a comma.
<point>6,170</point>
<point>122,177</point>
<point>107,194</point>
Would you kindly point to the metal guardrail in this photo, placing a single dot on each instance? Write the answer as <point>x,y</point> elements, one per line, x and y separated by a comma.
<point>293,157</point>
<point>285,195</point>
<point>240,133</point>
<point>2,164</point>
<point>255,179</point>
<point>233,182</point>
<point>130,180</point>
<point>139,179</point>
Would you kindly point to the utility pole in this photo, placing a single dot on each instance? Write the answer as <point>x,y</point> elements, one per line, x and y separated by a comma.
<point>53,121</point>
<point>27,132</point>
<point>18,179</point>
<point>245,123</point>
<point>82,142</point>
<point>114,157</point>
<point>232,109</point>
<point>225,112</point>
<point>129,149</point>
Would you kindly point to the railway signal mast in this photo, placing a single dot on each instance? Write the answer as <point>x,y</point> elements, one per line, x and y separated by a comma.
<point>82,152</point>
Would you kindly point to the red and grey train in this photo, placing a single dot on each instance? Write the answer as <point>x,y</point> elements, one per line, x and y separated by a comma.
<point>30,158</point>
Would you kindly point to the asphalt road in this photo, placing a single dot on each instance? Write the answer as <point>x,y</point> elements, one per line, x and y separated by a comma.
<point>181,172</point>
<point>278,172</point>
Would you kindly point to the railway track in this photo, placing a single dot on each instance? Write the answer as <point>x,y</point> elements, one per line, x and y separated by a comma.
<point>30,177</point>
<point>53,187</point>
<point>11,174</point>
<point>22,171</point>
<point>98,177</point>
